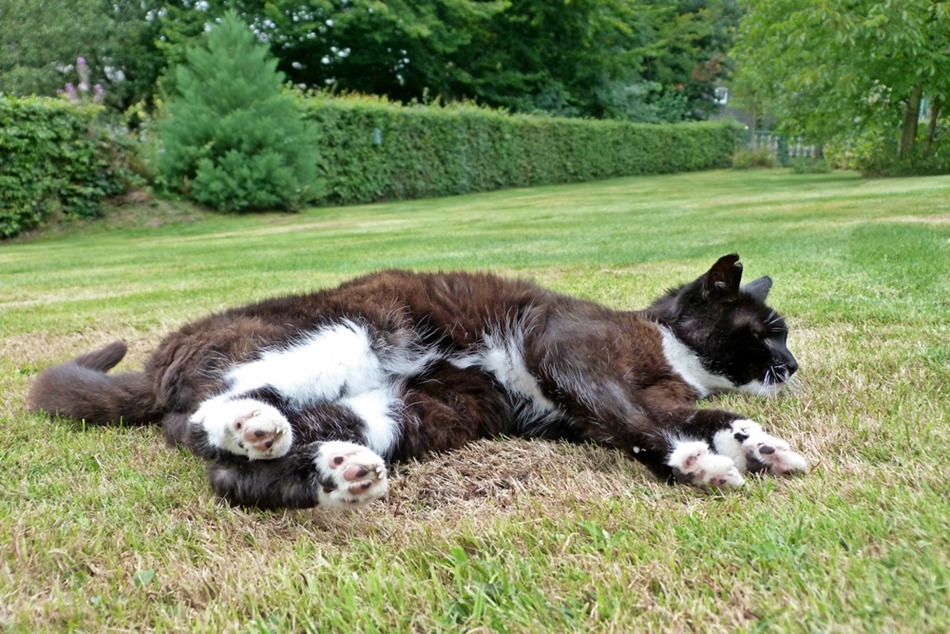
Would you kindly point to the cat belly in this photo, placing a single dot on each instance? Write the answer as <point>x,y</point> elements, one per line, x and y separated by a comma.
<point>319,368</point>
<point>338,383</point>
<point>335,367</point>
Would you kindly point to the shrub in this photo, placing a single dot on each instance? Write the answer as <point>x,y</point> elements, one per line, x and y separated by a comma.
<point>235,139</point>
<point>745,158</point>
<point>53,156</point>
<point>435,150</point>
<point>808,165</point>
<point>873,152</point>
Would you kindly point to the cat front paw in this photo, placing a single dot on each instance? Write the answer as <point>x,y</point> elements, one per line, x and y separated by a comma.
<point>350,475</point>
<point>754,450</point>
<point>694,463</point>
<point>245,427</point>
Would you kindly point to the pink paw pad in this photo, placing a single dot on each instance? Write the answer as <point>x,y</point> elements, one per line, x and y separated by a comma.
<point>353,475</point>
<point>258,437</point>
<point>262,432</point>
<point>774,453</point>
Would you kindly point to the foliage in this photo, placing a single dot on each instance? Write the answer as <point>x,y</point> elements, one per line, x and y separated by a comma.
<point>234,139</point>
<point>643,60</point>
<point>40,42</point>
<point>397,48</point>
<point>441,150</point>
<point>873,154</point>
<point>827,67</point>
<point>808,165</point>
<point>52,155</point>
<point>745,158</point>
<point>640,60</point>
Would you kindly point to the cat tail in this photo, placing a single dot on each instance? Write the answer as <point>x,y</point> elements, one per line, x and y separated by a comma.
<point>82,390</point>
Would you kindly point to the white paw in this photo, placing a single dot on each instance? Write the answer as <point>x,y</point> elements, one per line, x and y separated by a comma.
<point>693,462</point>
<point>754,450</point>
<point>350,475</point>
<point>245,427</point>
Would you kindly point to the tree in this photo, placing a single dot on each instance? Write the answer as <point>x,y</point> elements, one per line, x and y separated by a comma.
<point>402,49</point>
<point>600,58</point>
<point>41,40</point>
<point>829,67</point>
<point>235,139</point>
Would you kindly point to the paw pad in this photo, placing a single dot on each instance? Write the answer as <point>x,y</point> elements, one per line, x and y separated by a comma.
<point>350,475</point>
<point>766,452</point>
<point>245,427</point>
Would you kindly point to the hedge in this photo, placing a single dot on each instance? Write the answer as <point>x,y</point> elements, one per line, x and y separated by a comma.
<point>51,155</point>
<point>434,150</point>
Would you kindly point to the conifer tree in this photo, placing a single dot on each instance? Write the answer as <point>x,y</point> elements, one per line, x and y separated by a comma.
<point>235,139</point>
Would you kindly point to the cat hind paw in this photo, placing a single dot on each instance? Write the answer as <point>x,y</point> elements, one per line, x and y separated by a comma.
<point>246,428</point>
<point>350,475</point>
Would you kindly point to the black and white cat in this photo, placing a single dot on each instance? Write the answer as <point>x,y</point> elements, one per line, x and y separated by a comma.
<point>300,401</point>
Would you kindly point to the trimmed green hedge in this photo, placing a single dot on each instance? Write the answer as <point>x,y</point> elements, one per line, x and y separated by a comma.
<point>441,150</point>
<point>50,154</point>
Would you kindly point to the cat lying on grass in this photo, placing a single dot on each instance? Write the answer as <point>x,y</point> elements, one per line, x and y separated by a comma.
<point>300,401</point>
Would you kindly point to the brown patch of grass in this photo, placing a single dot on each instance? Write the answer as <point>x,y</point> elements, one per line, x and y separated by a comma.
<point>497,475</point>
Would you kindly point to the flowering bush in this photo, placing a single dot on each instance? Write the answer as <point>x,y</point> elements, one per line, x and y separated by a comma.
<point>82,69</point>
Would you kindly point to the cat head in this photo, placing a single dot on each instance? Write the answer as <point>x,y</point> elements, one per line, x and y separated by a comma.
<point>738,340</point>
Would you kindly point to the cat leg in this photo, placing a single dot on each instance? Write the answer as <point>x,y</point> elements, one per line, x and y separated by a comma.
<point>244,427</point>
<point>332,474</point>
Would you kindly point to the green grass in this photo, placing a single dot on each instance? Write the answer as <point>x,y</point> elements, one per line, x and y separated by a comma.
<point>106,529</point>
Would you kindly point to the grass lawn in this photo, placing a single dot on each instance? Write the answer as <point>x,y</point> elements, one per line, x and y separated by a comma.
<point>108,530</point>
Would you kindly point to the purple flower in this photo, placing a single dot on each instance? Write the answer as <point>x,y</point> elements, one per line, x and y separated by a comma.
<point>83,72</point>
<point>99,93</point>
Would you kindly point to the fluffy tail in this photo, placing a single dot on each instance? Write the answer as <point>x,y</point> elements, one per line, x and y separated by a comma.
<point>81,389</point>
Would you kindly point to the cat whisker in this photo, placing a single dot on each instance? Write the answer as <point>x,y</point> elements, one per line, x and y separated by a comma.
<point>793,385</point>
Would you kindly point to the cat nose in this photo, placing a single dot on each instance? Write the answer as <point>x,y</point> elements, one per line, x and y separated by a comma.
<point>791,367</point>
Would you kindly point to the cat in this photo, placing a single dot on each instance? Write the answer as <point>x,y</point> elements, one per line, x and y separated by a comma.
<point>302,401</point>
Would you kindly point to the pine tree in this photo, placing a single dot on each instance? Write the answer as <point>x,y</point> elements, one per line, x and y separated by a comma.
<point>235,139</point>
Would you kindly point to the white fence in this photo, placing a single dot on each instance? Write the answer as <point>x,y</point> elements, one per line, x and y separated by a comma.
<point>785,147</point>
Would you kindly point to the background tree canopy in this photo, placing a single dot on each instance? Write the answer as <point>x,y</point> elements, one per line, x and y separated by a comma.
<point>643,60</point>
<point>833,68</point>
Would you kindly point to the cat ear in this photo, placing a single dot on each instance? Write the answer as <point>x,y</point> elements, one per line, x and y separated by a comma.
<point>723,278</point>
<point>758,289</point>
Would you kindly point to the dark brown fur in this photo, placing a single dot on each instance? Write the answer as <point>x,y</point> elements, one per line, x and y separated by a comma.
<point>605,370</point>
